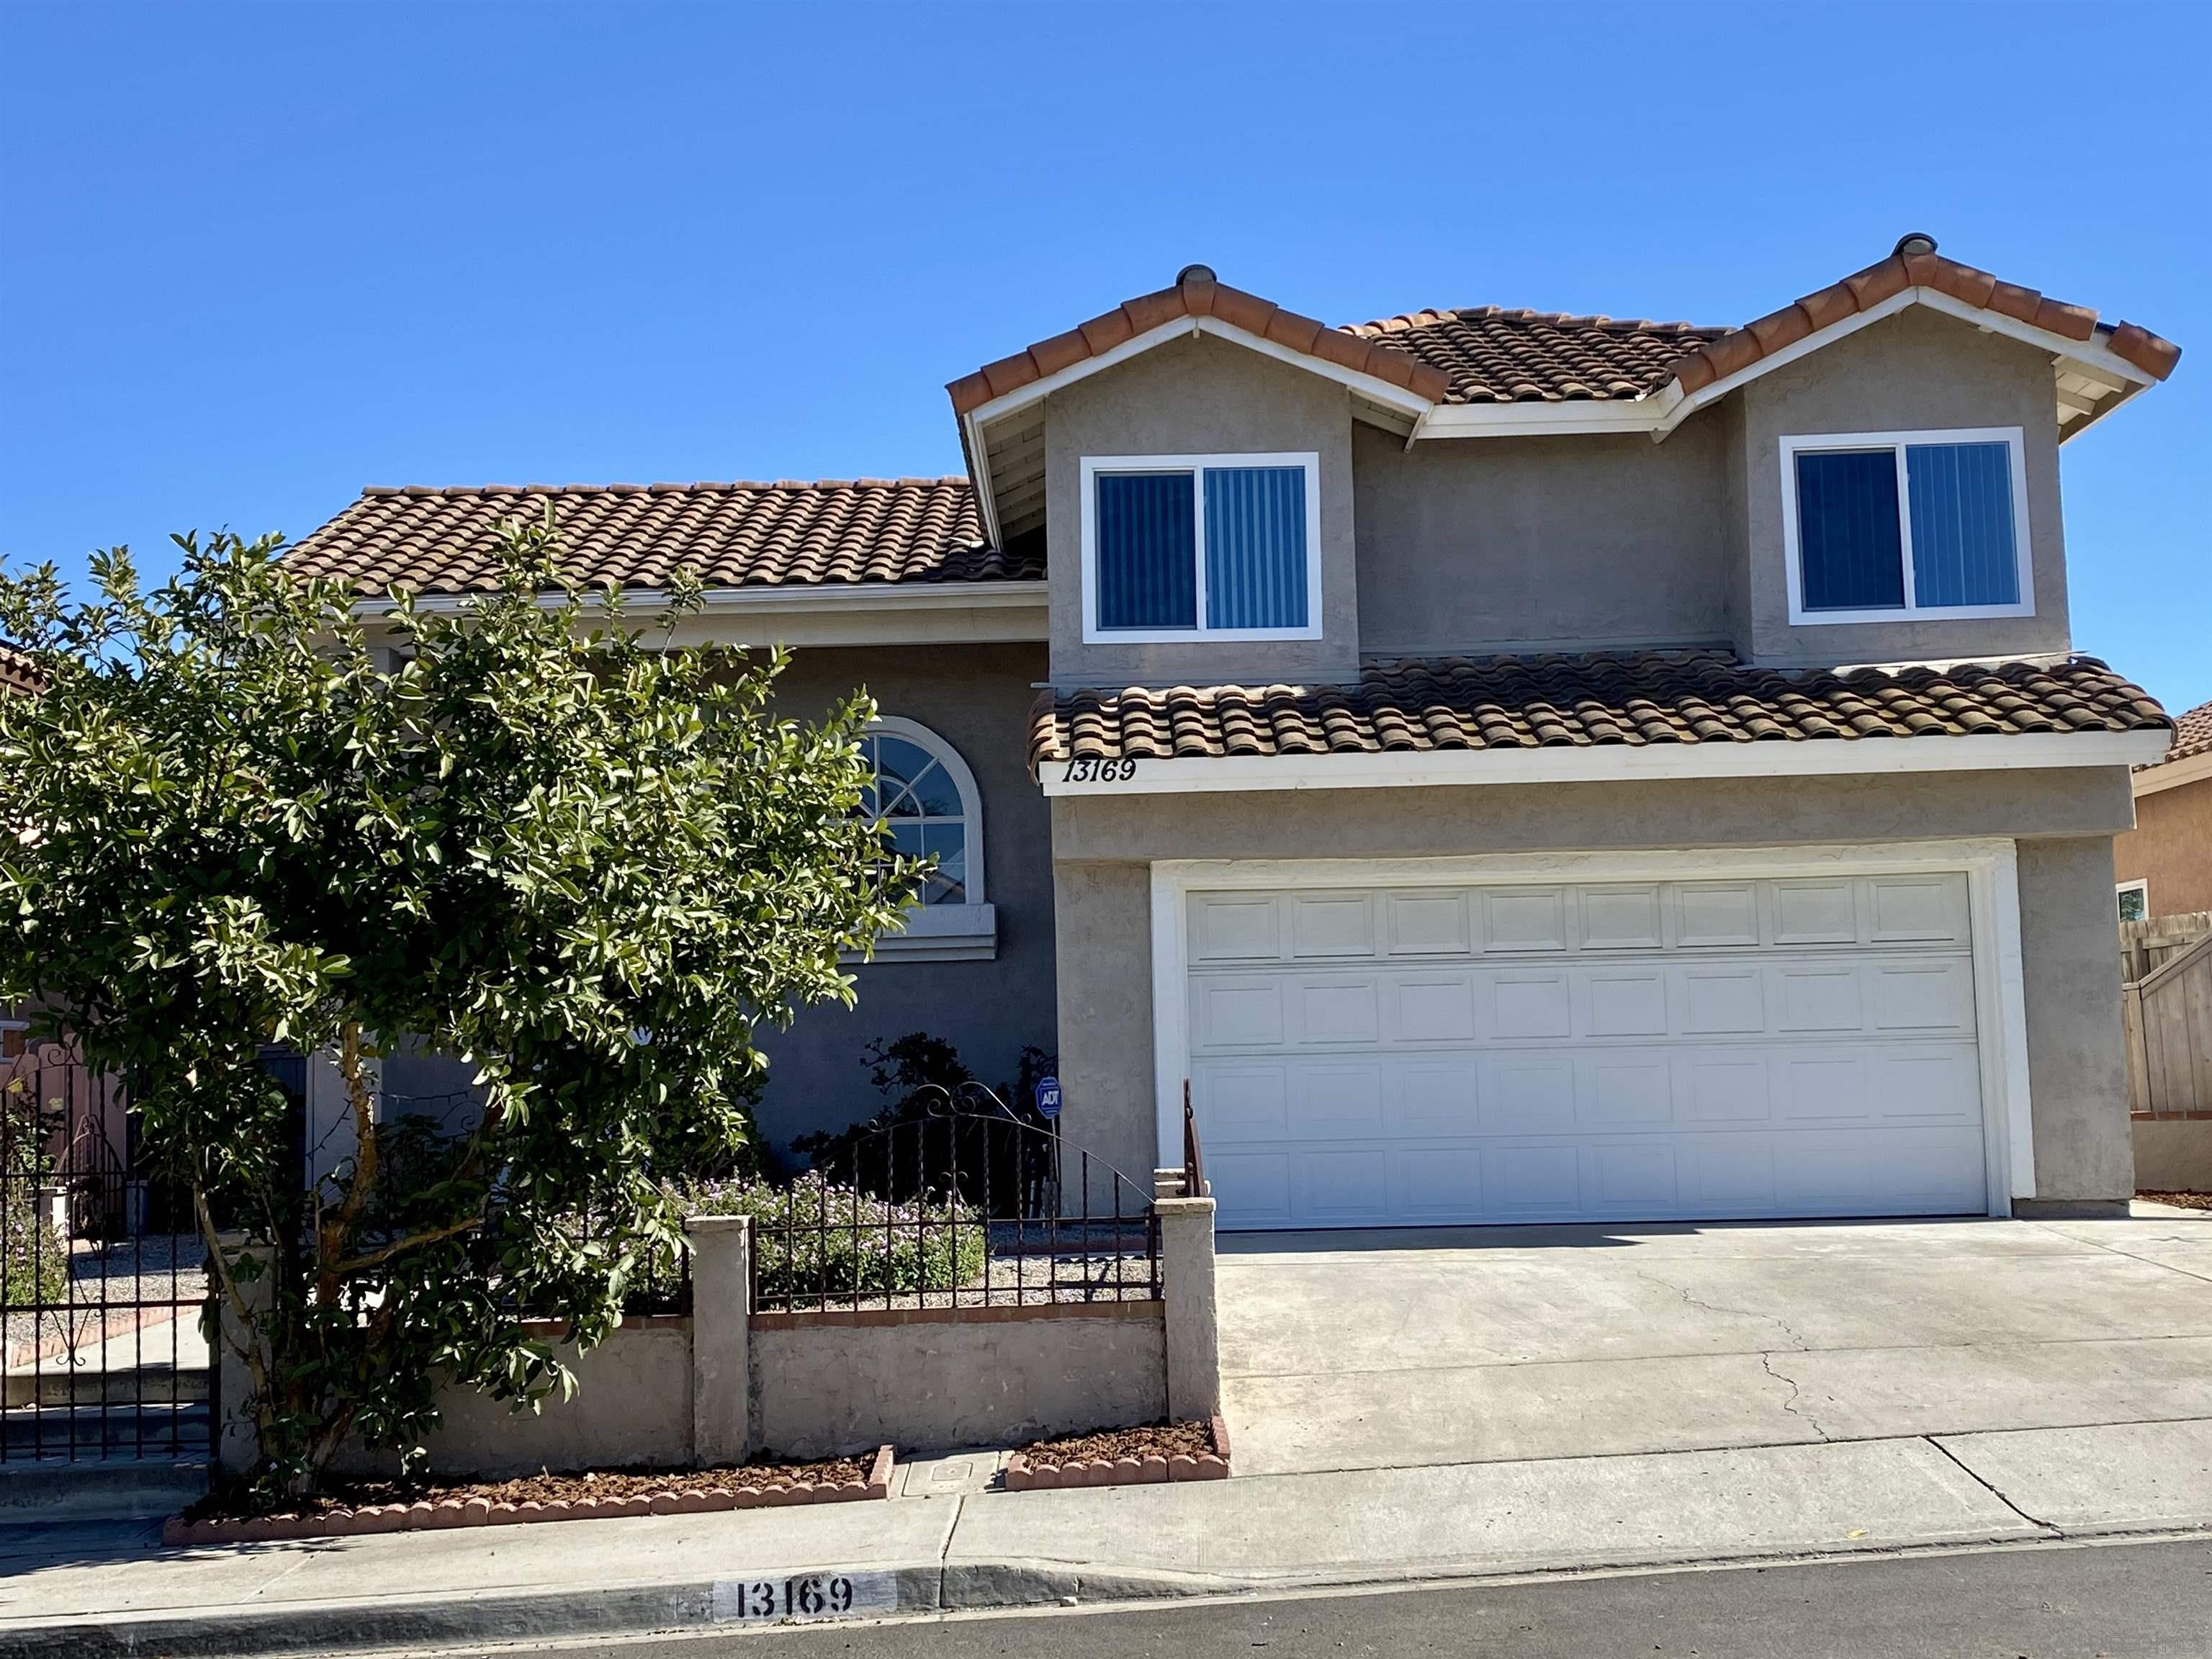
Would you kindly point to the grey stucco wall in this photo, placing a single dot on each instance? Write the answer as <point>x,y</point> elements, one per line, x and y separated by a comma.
<point>2173,1155</point>
<point>977,698</point>
<point>2076,1058</point>
<point>1600,542</point>
<point>1105,844</point>
<point>1916,371</point>
<point>632,1405</point>
<point>1199,396</point>
<point>821,1388</point>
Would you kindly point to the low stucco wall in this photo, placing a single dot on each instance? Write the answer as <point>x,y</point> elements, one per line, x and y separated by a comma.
<point>2173,1155</point>
<point>829,1385</point>
<point>632,1405</point>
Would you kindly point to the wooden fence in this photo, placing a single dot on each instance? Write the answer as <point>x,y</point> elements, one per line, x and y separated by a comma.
<point>2166,969</point>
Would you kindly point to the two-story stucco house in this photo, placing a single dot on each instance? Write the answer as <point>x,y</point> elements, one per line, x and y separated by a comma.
<point>1506,767</point>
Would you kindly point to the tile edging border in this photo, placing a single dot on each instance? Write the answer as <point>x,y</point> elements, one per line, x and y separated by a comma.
<point>1022,1476</point>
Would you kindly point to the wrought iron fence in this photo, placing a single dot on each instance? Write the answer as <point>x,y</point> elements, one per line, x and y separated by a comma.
<point>102,1276</point>
<point>951,1206</point>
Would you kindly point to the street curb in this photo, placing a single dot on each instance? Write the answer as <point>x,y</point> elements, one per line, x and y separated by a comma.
<point>485,1618</point>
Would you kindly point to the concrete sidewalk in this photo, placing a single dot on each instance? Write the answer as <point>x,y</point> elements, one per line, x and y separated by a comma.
<point>114,1589</point>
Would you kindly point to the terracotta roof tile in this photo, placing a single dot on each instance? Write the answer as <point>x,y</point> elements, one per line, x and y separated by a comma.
<point>736,535</point>
<point>2193,734</point>
<point>1581,702</point>
<point>19,675</point>
<point>1493,355</point>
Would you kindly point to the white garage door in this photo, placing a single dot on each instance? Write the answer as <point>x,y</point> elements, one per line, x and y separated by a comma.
<point>1603,1052</point>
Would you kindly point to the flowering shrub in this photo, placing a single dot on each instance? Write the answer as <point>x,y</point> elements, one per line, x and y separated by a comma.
<point>35,1259</point>
<point>814,1238</point>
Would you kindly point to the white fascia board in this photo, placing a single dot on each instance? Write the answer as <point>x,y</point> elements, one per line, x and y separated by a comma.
<point>1545,420</point>
<point>828,597</point>
<point>2086,353</point>
<point>1616,764</point>
<point>2171,775</point>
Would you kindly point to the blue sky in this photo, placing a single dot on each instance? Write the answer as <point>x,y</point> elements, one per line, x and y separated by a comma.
<point>254,258</point>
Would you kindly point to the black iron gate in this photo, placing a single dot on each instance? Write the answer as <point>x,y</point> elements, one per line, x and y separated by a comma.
<point>102,1275</point>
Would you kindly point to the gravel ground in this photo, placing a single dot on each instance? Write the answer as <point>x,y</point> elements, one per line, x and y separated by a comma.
<point>113,1289</point>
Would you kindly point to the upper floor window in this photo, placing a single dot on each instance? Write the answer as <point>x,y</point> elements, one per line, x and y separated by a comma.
<point>1182,547</point>
<point>1884,526</point>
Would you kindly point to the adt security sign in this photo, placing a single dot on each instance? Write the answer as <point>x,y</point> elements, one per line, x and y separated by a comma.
<point>1048,1098</point>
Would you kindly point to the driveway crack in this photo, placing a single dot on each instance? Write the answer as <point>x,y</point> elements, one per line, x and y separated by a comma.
<point>1766,1364</point>
<point>1974,1475</point>
<point>1795,1337</point>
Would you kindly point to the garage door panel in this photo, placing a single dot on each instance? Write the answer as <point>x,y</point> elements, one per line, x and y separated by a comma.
<point>1331,924</point>
<point>1623,1089</point>
<point>1658,1050</point>
<point>1631,1177</point>
<point>1527,1094</point>
<point>1237,1013</point>
<point>1527,1003</point>
<point>1531,1182</point>
<point>1815,912</point>
<point>1242,1102</point>
<point>1335,1011</point>
<point>1336,1101</point>
<point>1724,1086</point>
<point>1524,918</point>
<point>1429,1007</point>
<point>1623,1002</point>
<point>1438,1181</point>
<point>1924,996</point>
<point>1432,1097</point>
<point>1420,924</point>
<point>1253,1187</point>
<point>1621,918</point>
<point>1716,916</point>
<point>1341,1184</point>
<point>1720,1001</point>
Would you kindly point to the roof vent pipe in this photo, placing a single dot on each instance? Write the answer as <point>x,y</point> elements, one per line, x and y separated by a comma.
<point>1914,242</point>
<point>1204,274</point>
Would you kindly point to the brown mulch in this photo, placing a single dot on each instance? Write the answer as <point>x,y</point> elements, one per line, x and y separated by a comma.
<point>546,1488</point>
<point>1153,1440</point>
<point>2181,1200</point>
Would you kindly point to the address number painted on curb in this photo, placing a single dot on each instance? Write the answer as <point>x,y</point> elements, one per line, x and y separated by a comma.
<point>805,1596</point>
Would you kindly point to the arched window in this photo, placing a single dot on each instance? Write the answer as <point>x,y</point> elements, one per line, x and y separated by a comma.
<point>931,807</point>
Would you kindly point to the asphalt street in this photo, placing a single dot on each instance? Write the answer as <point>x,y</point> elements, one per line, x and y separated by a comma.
<point>2117,1601</point>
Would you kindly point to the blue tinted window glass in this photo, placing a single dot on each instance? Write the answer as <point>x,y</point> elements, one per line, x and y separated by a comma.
<point>1147,550</point>
<point>1255,547</point>
<point>1849,539</point>
<point>1963,550</point>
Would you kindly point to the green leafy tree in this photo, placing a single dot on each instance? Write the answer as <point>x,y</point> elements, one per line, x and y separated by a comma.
<point>585,862</point>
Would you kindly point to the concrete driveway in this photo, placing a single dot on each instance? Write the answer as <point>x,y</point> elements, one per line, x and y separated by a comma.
<point>1391,1350</point>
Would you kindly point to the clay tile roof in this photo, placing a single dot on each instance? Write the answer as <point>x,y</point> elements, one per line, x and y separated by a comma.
<point>2193,734</point>
<point>1198,298</point>
<point>1581,702</point>
<point>736,535</point>
<point>1735,350</point>
<point>1493,356</point>
<point>19,675</point>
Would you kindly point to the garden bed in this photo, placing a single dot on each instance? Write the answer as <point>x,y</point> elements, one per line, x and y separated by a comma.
<point>2181,1200</point>
<point>389,1506</point>
<point>1156,1452</point>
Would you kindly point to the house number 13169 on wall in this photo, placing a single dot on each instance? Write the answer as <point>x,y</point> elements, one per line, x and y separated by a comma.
<point>805,1596</point>
<point>1093,770</point>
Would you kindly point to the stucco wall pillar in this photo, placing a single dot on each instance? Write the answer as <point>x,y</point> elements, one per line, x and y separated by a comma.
<point>238,1437</point>
<point>2077,1057</point>
<point>722,1332</point>
<point>1193,1342</point>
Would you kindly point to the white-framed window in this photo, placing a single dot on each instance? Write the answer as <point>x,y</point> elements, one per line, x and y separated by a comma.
<point>1201,547</point>
<point>930,808</point>
<point>2134,898</point>
<point>1884,527</point>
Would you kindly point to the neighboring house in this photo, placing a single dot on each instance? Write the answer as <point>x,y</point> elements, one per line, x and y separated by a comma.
<point>1428,742</point>
<point>2164,864</point>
